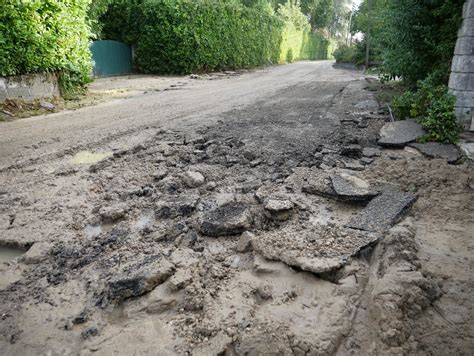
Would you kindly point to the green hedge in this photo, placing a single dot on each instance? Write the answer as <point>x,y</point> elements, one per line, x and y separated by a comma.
<point>184,36</point>
<point>45,35</point>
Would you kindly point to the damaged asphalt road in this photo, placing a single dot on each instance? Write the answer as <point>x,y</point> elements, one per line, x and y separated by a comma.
<point>265,220</point>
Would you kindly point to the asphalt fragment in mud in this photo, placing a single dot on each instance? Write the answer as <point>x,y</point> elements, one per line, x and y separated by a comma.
<point>438,150</point>
<point>383,211</point>
<point>400,133</point>
<point>317,249</point>
<point>342,187</point>
<point>229,219</point>
<point>136,278</point>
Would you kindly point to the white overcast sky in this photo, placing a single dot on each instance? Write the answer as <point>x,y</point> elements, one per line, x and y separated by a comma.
<point>356,2</point>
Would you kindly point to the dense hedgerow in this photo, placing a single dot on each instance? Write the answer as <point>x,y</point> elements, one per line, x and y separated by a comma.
<point>183,36</point>
<point>45,35</point>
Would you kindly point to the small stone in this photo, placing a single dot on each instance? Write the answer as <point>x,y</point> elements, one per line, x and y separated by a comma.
<point>371,152</point>
<point>229,219</point>
<point>197,140</point>
<point>231,160</point>
<point>245,242</point>
<point>264,292</point>
<point>113,213</point>
<point>176,207</point>
<point>89,332</point>
<point>279,209</point>
<point>46,105</point>
<point>249,155</point>
<point>277,205</point>
<point>160,173</point>
<point>80,319</point>
<point>181,279</point>
<point>211,186</point>
<point>255,163</point>
<point>363,124</point>
<point>250,186</point>
<point>324,167</point>
<point>193,179</point>
<point>366,160</point>
<point>354,151</point>
<point>355,166</point>
<point>160,300</point>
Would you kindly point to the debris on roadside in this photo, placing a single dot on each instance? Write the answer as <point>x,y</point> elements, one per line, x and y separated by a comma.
<point>383,211</point>
<point>400,133</point>
<point>438,150</point>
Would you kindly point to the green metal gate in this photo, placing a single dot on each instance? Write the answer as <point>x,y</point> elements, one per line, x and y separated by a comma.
<point>111,58</point>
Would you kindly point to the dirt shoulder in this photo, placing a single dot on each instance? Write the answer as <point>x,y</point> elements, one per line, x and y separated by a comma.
<point>224,227</point>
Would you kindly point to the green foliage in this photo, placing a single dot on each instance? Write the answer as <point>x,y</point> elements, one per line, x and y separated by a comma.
<point>345,54</point>
<point>402,105</point>
<point>96,9</point>
<point>297,40</point>
<point>184,36</point>
<point>415,37</point>
<point>354,54</point>
<point>45,35</point>
<point>433,107</point>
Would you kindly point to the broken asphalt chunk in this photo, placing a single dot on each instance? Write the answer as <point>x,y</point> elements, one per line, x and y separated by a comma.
<point>438,150</point>
<point>137,278</point>
<point>383,211</point>
<point>400,133</point>
<point>354,151</point>
<point>176,206</point>
<point>317,249</point>
<point>229,219</point>
<point>342,187</point>
<point>279,209</point>
<point>350,188</point>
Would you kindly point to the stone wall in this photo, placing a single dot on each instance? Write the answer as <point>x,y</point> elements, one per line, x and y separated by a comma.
<point>29,87</point>
<point>461,82</point>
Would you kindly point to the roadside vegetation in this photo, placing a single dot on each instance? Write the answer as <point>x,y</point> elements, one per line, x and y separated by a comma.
<point>414,41</point>
<point>46,36</point>
<point>168,36</point>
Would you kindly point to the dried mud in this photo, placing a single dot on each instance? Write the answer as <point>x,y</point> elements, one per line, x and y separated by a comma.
<point>135,255</point>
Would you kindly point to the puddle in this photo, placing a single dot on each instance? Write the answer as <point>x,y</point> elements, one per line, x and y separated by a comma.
<point>86,157</point>
<point>8,254</point>
<point>95,230</point>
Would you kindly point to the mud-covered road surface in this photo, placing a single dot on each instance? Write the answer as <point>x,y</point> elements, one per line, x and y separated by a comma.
<point>250,214</point>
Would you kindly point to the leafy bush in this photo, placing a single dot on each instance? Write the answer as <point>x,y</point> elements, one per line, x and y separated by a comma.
<point>344,54</point>
<point>433,107</point>
<point>184,36</point>
<point>418,37</point>
<point>45,35</point>
<point>354,54</point>
<point>402,105</point>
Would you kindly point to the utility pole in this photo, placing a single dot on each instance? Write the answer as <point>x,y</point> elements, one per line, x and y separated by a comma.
<point>367,41</point>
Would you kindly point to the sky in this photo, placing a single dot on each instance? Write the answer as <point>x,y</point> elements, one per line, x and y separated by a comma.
<point>356,2</point>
